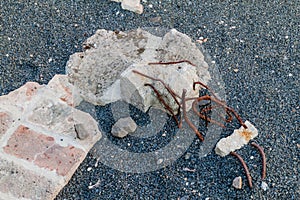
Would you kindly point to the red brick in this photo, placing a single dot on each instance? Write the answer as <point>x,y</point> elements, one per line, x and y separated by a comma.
<point>61,159</point>
<point>26,143</point>
<point>43,151</point>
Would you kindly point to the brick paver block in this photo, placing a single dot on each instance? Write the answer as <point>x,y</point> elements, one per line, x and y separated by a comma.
<point>45,152</point>
<point>43,139</point>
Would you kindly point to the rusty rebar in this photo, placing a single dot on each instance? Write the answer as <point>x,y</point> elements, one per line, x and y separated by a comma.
<point>194,107</point>
<point>191,125</point>
<point>249,178</point>
<point>173,94</point>
<point>162,101</point>
<point>263,157</point>
<point>205,86</point>
<point>245,168</point>
<point>171,63</point>
<point>221,103</point>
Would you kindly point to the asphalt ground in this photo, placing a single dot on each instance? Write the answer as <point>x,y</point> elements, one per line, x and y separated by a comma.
<point>256,45</point>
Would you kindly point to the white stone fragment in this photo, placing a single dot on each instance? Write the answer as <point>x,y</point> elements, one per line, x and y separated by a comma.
<point>264,186</point>
<point>123,126</point>
<point>131,5</point>
<point>235,141</point>
<point>237,182</point>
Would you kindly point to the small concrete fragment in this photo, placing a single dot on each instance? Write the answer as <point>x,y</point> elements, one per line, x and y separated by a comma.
<point>131,5</point>
<point>235,141</point>
<point>123,126</point>
<point>237,182</point>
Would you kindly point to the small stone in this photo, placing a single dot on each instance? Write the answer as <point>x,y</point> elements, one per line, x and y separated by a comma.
<point>123,126</point>
<point>89,169</point>
<point>187,156</point>
<point>156,19</point>
<point>235,70</point>
<point>237,182</point>
<point>159,161</point>
<point>81,133</point>
<point>131,5</point>
<point>264,186</point>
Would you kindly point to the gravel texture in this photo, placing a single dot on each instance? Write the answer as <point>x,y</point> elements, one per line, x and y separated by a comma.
<point>257,48</point>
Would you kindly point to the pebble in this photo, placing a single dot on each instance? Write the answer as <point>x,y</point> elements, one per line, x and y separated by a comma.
<point>89,169</point>
<point>264,186</point>
<point>159,161</point>
<point>187,156</point>
<point>237,182</point>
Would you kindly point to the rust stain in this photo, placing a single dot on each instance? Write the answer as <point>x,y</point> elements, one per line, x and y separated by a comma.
<point>246,134</point>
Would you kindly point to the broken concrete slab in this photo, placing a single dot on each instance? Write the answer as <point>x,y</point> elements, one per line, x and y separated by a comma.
<point>97,72</point>
<point>236,140</point>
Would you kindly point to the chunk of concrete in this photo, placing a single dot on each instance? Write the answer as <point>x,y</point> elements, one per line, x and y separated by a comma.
<point>235,141</point>
<point>101,72</point>
<point>123,126</point>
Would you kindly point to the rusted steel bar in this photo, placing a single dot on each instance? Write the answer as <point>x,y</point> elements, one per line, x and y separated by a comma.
<point>173,94</point>
<point>171,63</point>
<point>194,107</point>
<point>191,125</point>
<point>162,101</point>
<point>263,156</point>
<point>207,97</point>
<point>245,168</point>
<point>206,87</point>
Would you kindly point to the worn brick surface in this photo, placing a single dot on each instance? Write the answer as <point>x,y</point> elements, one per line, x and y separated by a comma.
<point>43,139</point>
<point>26,143</point>
<point>61,159</point>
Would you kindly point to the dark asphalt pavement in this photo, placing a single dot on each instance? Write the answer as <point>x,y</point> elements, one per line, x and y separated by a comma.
<point>256,45</point>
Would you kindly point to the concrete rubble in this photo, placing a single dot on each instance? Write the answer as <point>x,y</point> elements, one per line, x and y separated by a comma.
<point>43,139</point>
<point>131,5</point>
<point>236,140</point>
<point>123,126</point>
<point>103,72</point>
